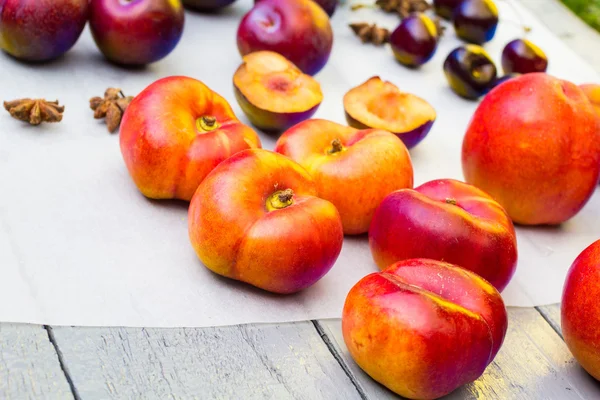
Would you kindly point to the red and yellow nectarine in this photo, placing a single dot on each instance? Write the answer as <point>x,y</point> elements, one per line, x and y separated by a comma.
<point>353,169</point>
<point>534,146</point>
<point>450,221</point>
<point>175,132</point>
<point>592,91</point>
<point>580,309</point>
<point>257,218</point>
<point>423,328</point>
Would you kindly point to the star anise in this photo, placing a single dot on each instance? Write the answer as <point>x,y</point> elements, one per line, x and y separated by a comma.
<point>441,28</point>
<point>403,7</point>
<point>371,33</point>
<point>35,111</point>
<point>112,107</point>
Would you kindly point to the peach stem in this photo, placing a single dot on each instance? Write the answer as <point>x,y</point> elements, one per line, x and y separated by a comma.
<point>280,199</point>
<point>450,201</point>
<point>336,146</point>
<point>207,123</point>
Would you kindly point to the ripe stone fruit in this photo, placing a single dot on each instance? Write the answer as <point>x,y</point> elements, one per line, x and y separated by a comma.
<point>328,6</point>
<point>136,32</point>
<point>522,56</point>
<point>353,169</point>
<point>580,312</point>
<point>175,132</point>
<point>446,220</point>
<point>41,30</point>
<point>592,91</point>
<point>470,71</point>
<point>207,5</point>
<point>415,40</point>
<point>533,144</point>
<point>445,8</point>
<point>273,93</point>
<point>423,328</point>
<point>381,105</point>
<point>257,218</point>
<point>475,21</point>
<point>299,30</point>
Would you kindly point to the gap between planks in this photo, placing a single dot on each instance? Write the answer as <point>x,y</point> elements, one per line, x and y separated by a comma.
<point>61,362</point>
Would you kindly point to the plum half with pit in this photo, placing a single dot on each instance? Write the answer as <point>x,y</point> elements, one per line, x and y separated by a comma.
<point>475,21</point>
<point>379,104</point>
<point>415,40</point>
<point>274,93</point>
<point>522,56</point>
<point>470,71</point>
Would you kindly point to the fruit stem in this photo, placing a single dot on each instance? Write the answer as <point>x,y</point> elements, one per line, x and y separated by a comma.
<point>526,28</point>
<point>336,146</point>
<point>450,200</point>
<point>207,123</point>
<point>280,199</point>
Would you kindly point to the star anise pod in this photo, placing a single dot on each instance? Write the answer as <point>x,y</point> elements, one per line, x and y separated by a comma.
<point>441,28</point>
<point>371,33</point>
<point>403,7</point>
<point>35,111</point>
<point>111,107</point>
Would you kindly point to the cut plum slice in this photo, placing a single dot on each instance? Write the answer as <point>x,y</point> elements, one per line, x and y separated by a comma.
<point>273,93</point>
<point>380,104</point>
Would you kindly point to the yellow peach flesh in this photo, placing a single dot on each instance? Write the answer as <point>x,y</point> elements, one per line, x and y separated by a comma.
<point>381,105</point>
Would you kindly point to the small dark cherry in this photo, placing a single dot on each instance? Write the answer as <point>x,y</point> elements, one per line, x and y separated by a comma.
<point>475,21</point>
<point>415,40</point>
<point>470,71</point>
<point>522,56</point>
<point>445,8</point>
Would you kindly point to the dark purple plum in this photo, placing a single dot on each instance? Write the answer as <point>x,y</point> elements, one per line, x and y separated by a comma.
<point>475,21</point>
<point>206,5</point>
<point>415,40</point>
<point>470,71</point>
<point>445,8</point>
<point>522,56</point>
<point>328,5</point>
<point>501,79</point>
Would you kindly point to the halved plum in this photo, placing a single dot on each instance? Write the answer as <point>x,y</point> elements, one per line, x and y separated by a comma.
<point>273,93</point>
<point>380,104</point>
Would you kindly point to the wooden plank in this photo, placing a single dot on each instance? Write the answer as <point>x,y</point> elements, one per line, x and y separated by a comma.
<point>29,365</point>
<point>534,363</point>
<point>551,314</point>
<point>288,361</point>
<point>566,25</point>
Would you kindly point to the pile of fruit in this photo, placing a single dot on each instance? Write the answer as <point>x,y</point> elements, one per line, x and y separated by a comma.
<point>432,319</point>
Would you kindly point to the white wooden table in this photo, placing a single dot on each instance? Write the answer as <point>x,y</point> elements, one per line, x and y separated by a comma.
<point>303,360</point>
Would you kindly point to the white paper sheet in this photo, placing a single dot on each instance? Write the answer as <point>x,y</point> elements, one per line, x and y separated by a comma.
<point>80,246</point>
